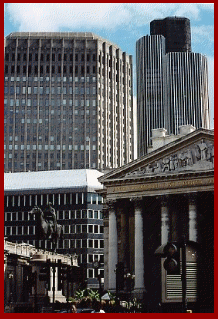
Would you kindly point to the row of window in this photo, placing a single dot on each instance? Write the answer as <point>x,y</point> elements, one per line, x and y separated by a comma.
<point>80,243</point>
<point>51,137</point>
<point>91,273</point>
<point>54,69</point>
<point>55,199</point>
<point>67,229</point>
<point>47,102</point>
<point>34,112</point>
<point>49,147</point>
<point>17,167</point>
<point>81,79</point>
<point>50,57</point>
<point>68,243</point>
<point>47,90</point>
<point>61,215</point>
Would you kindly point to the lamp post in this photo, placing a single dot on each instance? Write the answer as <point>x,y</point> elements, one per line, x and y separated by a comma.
<point>10,277</point>
<point>96,265</point>
<point>129,284</point>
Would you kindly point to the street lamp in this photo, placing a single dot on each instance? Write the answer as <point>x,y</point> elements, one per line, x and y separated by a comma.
<point>129,284</point>
<point>96,265</point>
<point>10,299</point>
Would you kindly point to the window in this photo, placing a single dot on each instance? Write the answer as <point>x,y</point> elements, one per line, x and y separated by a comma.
<point>78,243</point>
<point>84,244</point>
<point>90,213</point>
<point>95,243</point>
<point>96,214</point>
<point>19,232</point>
<point>66,229</point>
<point>31,230</point>
<point>96,229</point>
<point>8,218</point>
<point>66,214</point>
<point>90,273</point>
<point>66,243</point>
<point>72,243</point>
<point>78,214</point>
<point>84,214</point>
<point>72,229</point>
<point>90,243</point>
<point>60,215</point>
<point>84,228</point>
<point>78,229</point>
<point>8,231</point>
<point>90,229</point>
<point>90,258</point>
<point>101,243</point>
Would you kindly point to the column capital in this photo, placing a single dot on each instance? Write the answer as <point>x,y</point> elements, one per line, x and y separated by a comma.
<point>120,205</point>
<point>110,204</point>
<point>192,197</point>
<point>137,201</point>
<point>164,200</point>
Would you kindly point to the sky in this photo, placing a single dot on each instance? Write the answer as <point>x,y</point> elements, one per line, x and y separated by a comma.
<point>120,23</point>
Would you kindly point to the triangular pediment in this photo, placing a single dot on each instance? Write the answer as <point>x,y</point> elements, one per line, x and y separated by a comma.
<point>191,153</point>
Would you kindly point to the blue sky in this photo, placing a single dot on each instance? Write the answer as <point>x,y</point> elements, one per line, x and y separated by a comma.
<point>121,23</point>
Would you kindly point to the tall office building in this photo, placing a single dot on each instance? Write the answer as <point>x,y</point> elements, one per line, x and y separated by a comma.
<point>172,81</point>
<point>68,102</point>
<point>176,31</point>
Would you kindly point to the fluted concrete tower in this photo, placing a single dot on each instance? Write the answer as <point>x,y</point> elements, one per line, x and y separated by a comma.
<point>68,102</point>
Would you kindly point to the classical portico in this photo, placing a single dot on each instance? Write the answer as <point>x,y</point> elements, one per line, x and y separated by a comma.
<point>163,196</point>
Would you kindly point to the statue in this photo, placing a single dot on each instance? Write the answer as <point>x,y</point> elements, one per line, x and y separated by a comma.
<point>46,224</point>
<point>203,150</point>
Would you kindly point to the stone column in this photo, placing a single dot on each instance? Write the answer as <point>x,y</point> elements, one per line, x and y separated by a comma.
<point>165,221</point>
<point>112,256</point>
<point>193,234</point>
<point>139,255</point>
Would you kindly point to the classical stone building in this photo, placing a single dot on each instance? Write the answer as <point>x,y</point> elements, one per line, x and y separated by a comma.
<point>164,196</point>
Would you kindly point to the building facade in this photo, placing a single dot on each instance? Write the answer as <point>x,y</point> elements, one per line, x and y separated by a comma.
<point>172,81</point>
<point>165,196</point>
<point>68,102</point>
<point>78,209</point>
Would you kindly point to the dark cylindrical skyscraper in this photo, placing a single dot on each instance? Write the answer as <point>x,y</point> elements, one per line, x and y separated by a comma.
<point>176,31</point>
<point>172,81</point>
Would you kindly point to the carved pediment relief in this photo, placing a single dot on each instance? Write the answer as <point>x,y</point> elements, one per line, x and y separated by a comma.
<point>199,156</point>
